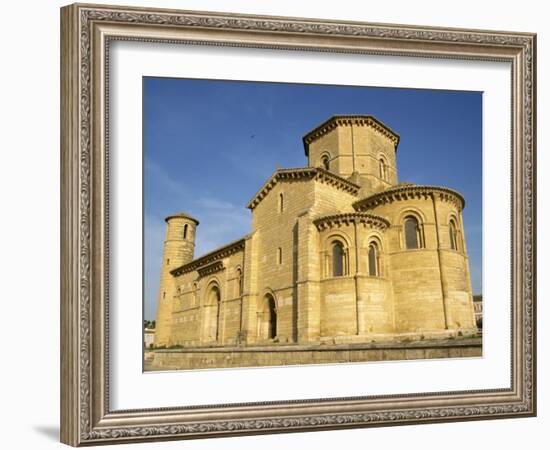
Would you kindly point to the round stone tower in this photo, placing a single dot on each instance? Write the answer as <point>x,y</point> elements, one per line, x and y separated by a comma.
<point>179,245</point>
<point>179,248</point>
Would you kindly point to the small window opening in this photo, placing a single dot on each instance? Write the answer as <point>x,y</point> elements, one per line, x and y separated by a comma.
<point>325,162</point>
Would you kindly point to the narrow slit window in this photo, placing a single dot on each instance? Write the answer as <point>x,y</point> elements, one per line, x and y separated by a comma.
<point>383,170</point>
<point>239,282</point>
<point>325,162</point>
<point>453,235</point>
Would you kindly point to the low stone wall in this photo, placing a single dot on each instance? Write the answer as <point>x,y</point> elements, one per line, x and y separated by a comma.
<point>283,355</point>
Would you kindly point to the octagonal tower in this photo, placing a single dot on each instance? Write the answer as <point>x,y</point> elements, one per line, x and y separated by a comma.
<point>359,148</point>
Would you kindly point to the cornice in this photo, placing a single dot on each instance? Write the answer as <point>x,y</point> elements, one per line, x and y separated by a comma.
<point>181,215</point>
<point>211,268</point>
<point>407,192</point>
<point>345,120</point>
<point>366,219</point>
<point>209,258</point>
<point>303,174</point>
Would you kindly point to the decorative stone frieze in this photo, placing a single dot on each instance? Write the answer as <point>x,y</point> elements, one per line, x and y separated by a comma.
<point>211,257</point>
<point>366,219</point>
<point>360,120</point>
<point>410,191</point>
<point>211,268</point>
<point>182,215</point>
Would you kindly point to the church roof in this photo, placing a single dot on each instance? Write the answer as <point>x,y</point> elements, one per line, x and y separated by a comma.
<point>334,121</point>
<point>303,173</point>
<point>182,215</point>
<point>211,257</point>
<point>405,191</point>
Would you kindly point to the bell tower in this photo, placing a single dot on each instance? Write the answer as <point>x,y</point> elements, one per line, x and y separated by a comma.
<point>359,148</point>
<point>179,249</point>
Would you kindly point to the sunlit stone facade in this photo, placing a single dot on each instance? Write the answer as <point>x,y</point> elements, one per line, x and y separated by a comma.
<point>339,252</point>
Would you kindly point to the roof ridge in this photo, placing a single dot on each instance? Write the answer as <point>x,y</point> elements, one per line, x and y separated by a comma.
<point>304,171</point>
<point>210,257</point>
<point>333,121</point>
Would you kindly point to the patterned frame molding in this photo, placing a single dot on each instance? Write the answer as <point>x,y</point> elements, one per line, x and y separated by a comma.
<point>86,34</point>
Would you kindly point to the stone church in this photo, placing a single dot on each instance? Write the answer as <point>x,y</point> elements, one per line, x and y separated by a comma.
<point>340,252</point>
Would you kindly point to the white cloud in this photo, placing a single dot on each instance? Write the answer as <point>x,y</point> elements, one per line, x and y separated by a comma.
<point>153,239</point>
<point>161,176</point>
<point>220,222</point>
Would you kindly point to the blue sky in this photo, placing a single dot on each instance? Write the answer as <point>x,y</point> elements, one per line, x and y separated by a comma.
<point>209,145</point>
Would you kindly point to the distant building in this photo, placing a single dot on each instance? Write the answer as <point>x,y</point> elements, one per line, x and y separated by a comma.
<point>340,252</point>
<point>478,308</point>
<point>149,337</point>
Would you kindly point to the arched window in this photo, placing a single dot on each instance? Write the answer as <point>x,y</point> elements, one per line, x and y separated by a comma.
<point>185,231</point>
<point>383,169</point>
<point>412,233</point>
<point>279,255</point>
<point>325,162</point>
<point>240,282</point>
<point>338,259</point>
<point>374,269</point>
<point>453,236</point>
<point>281,203</point>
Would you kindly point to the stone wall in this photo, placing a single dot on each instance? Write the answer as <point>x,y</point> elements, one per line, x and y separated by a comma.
<point>178,359</point>
<point>284,281</point>
<point>431,284</point>
<point>197,318</point>
<point>278,286</point>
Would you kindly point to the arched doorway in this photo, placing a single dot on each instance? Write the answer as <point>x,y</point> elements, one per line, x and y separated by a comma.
<point>268,318</point>
<point>272,317</point>
<point>212,314</point>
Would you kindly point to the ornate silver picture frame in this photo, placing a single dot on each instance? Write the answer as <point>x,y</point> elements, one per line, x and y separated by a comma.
<point>87,33</point>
